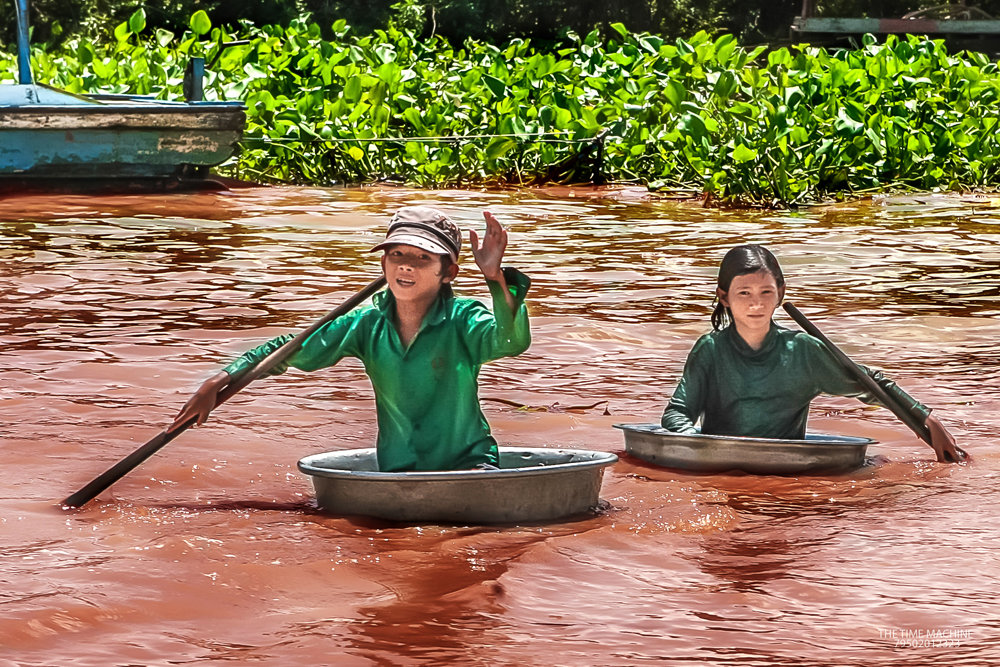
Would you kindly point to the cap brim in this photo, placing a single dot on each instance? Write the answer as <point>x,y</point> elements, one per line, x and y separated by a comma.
<point>415,241</point>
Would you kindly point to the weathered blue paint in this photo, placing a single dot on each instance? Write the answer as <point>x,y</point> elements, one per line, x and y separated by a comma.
<point>116,140</point>
<point>17,95</point>
<point>878,26</point>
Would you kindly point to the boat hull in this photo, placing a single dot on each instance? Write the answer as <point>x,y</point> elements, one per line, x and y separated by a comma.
<point>532,485</point>
<point>767,456</point>
<point>133,140</point>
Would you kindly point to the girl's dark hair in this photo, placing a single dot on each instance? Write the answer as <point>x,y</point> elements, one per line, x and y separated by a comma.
<point>740,261</point>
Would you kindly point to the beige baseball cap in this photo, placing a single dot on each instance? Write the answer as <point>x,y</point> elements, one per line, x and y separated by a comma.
<point>425,228</point>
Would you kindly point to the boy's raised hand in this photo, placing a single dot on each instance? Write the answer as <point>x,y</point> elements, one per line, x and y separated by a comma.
<point>490,254</point>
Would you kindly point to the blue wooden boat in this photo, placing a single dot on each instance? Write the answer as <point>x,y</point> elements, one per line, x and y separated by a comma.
<point>52,138</point>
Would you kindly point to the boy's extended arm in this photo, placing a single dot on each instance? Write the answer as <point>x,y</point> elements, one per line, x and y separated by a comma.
<point>324,347</point>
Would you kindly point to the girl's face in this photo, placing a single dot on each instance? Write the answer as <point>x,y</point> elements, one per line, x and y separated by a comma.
<point>415,274</point>
<point>752,300</point>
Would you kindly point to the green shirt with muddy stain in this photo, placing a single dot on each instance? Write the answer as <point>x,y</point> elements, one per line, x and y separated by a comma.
<point>426,393</point>
<point>735,390</point>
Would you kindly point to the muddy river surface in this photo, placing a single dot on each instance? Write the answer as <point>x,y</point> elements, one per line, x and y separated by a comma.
<point>114,309</point>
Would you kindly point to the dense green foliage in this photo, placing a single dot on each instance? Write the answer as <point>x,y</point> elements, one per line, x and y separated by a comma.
<point>741,125</point>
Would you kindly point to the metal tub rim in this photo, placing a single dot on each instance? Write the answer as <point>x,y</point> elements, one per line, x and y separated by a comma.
<point>307,465</point>
<point>812,439</point>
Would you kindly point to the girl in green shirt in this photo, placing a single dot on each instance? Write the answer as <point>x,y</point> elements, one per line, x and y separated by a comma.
<point>750,377</point>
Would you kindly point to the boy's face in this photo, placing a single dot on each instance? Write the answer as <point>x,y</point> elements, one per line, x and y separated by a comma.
<point>415,274</point>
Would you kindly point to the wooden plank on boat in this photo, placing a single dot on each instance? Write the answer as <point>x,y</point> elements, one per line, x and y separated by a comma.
<point>197,116</point>
<point>885,26</point>
<point>116,140</point>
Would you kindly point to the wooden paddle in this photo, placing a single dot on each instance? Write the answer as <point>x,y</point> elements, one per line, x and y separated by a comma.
<point>908,417</point>
<point>237,383</point>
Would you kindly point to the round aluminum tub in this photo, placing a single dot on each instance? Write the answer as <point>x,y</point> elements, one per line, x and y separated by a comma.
<point>766,456</point>
<point>532,484</point>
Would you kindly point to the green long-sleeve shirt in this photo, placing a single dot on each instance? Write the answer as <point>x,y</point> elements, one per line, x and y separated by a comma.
<point>765,393</point>
<point>426,394</point>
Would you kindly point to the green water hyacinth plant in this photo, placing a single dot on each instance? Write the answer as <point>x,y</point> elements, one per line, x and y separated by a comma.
<point>740,126</point>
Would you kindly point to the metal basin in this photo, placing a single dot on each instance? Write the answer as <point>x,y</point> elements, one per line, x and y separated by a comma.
<point>533,484</point>
<point>718,453</point>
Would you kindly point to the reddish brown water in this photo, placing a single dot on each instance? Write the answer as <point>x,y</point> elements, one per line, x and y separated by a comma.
<point>112,310</point>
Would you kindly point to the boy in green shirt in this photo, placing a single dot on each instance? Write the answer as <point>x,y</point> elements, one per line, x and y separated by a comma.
<point>421,346</point>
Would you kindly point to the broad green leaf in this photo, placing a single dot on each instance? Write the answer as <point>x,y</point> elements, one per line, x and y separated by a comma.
<point>846,124</point>
<point>743,154</point>
<point>675,93</point>
<point>200,23</point>
<point>414,117</point>
<point>692,125</point>
<point>499,147</point>
<point>376,94</point>
<point>726,85</point>
<point>164,37</point>
<point>496,86</point>
<point>724,47</point>
<point>137,22</point>
<point>588,119</point>
<point>102,69</point>
<point>352,89</point>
